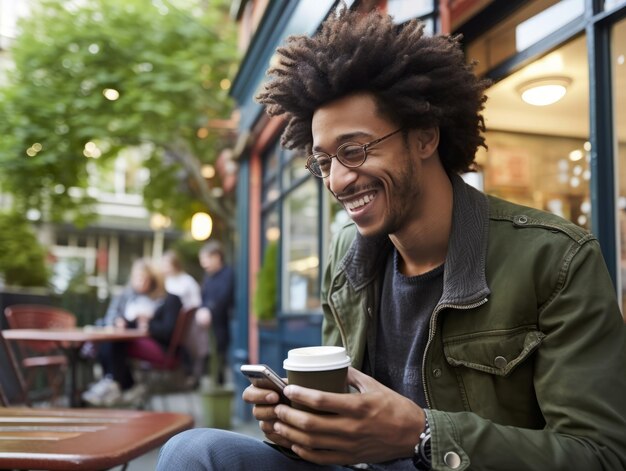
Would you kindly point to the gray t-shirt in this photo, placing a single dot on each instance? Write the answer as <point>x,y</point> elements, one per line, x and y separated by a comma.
<point>406,306</point>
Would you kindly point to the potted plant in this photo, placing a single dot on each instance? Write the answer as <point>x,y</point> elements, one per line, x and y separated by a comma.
<point>265,295</point>
<point>217,399</point>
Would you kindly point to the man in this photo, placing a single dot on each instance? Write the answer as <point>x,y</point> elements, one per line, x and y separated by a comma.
<point>217,300</point>
<point>483,335</point>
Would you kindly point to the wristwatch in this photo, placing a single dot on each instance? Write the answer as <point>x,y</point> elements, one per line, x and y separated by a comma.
<point>421,455</point>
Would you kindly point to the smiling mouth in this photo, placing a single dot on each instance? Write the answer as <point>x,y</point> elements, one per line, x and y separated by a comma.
<point>360,202</point>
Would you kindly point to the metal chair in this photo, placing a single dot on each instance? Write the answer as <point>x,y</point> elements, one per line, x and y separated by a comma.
<point>43,356</point>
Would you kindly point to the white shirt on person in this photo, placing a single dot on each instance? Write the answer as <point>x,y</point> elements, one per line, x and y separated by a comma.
<point>186,288</point>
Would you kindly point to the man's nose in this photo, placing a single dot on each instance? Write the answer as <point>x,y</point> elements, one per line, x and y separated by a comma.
<point>340,176</point>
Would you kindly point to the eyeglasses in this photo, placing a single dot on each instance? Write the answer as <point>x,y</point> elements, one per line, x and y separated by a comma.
<point>350,154</point>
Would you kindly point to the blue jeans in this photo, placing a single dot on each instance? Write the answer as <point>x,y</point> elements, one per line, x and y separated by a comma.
<point>204,449</point>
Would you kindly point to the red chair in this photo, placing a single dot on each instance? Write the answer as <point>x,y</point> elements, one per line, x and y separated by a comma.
<point>159,371</point>
<point>12,386</point>
<point>41,355</point>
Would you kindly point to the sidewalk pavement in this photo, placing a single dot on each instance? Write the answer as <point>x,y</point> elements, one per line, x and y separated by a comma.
<point>182,403</point>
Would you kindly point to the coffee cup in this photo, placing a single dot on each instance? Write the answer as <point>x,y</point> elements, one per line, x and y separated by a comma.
<point>324,368</point>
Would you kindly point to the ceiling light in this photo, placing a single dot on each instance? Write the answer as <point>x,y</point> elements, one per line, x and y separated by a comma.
<point>576,155</point>
<point>544,91</point>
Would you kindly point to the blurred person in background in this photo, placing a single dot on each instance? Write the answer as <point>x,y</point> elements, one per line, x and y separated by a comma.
<point>144,304</point>
<point>179,282</point>
<point>183,285</point>
<point>217,301</point>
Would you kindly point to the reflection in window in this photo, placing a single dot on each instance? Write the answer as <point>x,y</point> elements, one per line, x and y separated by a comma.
<point>271,229</point>
<point>546,172</point>
<point>539,155</point>
<point>270,192</point>
<point>301,260</point>
<point>540,26</point>
<point>266,294</point>
<point>610,4</point>
<point>618,68</point>
<point>294,170</point>
<point>270,163</point>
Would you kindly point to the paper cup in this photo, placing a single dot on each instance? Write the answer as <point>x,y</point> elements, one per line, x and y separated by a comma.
<point>324,368</point>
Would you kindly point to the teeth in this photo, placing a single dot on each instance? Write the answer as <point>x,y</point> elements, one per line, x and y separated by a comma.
<point>360,202</point>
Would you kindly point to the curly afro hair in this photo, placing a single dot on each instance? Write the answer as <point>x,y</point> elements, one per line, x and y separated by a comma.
<point>418,81</point>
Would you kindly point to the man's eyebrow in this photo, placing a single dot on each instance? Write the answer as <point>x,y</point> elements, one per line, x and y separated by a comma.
<point>343,138</point>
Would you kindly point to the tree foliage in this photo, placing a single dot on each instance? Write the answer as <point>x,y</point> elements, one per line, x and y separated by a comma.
<point>169,61</point>
<point>22,258</point>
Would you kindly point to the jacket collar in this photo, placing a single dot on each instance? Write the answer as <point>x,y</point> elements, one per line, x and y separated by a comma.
<point>464,273</point>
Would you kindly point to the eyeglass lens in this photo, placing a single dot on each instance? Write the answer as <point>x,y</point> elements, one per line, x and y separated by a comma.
<point>350,155</point>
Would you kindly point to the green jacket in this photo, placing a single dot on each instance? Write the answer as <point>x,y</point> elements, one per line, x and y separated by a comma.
<point>525,367</point>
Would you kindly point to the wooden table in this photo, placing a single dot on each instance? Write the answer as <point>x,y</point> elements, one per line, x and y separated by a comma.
<point>71,340</point>
<point>82,439</point>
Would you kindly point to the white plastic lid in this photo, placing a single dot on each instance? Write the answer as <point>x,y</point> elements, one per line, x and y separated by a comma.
<point>316,359</point>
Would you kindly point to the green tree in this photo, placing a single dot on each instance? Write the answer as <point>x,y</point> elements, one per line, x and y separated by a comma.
<point>22,258</point>
<point>97,76</point>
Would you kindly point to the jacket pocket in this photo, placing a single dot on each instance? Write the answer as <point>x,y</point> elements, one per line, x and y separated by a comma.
<point>494,372</point>
<point>497,352</point>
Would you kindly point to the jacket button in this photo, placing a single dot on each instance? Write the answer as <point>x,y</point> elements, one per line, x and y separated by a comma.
<point>452,460</point>
<point>500,362</point>
<point>436,372</point>
<point>522,219</point>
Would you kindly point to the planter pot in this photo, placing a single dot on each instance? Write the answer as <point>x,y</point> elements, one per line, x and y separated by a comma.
<point>217,407</point>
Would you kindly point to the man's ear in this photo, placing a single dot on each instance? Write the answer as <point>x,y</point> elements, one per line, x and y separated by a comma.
<point>427,141</point>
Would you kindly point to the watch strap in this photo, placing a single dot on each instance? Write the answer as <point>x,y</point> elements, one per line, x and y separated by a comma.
<point>422,454</point>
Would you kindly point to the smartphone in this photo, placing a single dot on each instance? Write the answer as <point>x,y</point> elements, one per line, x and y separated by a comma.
<point>262,376</point>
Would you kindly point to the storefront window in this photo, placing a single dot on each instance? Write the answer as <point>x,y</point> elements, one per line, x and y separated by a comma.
<point>270,163</point>
<point>271,192</point>
<point>546,172</point>
<point>538,152</point>
<point>610,4</point>
<point>618,66</point>
<point>294,170</point>
<point>266,290</point>
<point>527,26</point>
<point>405,10</point>
<point>301,264</point>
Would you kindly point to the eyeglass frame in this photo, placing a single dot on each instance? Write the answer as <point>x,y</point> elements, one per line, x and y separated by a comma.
<point>364,147</point>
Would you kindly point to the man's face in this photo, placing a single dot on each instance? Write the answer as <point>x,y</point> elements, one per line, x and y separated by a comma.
<point>384,193</point>
<point>210,262</point>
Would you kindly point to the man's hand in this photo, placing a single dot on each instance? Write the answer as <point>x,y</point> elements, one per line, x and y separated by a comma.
<point>374,426</point>
<point>264,401</point>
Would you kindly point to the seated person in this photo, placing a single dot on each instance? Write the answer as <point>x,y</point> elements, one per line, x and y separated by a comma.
<point>144,304</point>
<point>183,285</point>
